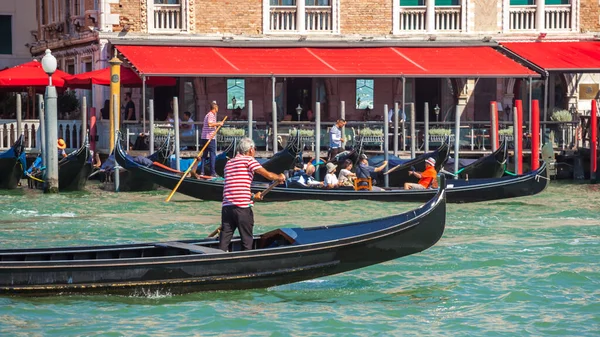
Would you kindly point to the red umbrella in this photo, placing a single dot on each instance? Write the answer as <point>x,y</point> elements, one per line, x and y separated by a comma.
<point>29,74</point>
<point>102,77</point>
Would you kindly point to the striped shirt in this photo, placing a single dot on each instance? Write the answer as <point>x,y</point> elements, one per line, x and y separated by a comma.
<point>207,131</point>
<point>239,173</point>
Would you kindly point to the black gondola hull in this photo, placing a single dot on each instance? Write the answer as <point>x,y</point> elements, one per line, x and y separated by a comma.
<point>490,166</point>
<point>124,269</point>
<point>11,169</point>
<point>401,176</point>
<point>73,171</point>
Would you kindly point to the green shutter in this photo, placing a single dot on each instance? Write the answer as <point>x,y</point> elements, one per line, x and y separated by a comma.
<point>522,2</point>
<point>412,3</point>
<point>447,2</point>
<point>6,36</point>
<point>557,2</point>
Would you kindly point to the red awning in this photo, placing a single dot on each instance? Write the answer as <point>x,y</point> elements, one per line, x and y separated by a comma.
<point>560,56</point>
<point>102,77</point>
<point>334,62</point>
<point>29,74</point>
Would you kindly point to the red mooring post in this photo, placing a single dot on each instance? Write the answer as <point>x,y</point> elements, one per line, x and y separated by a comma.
<point>93,130</point>
<point>494,125</point>
<point>519,126</point>
<point>593,139</point>
<point>535,134</point>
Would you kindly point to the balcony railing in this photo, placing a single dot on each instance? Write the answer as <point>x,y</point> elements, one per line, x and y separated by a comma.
<point>412,19</point>
<point>316,19</point>
<point>283,18</point>
<point>319,19</point>
<point>446,19</point>
<point>522,17</point>
<point>167,18</point>
<point>558,17</point>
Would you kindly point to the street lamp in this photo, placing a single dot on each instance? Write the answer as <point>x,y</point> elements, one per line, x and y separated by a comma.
<point>51,180</point>
<point>574,124</point>
<point>437,113</point>
<point>298,111</point>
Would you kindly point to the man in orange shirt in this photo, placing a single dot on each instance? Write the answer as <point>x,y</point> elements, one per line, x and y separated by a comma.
<point>427,178</point>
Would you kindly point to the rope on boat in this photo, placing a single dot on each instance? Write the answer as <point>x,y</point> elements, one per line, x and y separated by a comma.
<point>537,178</point>
<point>510,173</point>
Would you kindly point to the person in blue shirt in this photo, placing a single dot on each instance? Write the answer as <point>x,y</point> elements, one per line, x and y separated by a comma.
<point>364,170</point>
<point>401,113</point>
<point>335,138</point>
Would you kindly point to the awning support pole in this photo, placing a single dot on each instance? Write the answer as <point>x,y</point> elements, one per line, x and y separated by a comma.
<point>274,115</point>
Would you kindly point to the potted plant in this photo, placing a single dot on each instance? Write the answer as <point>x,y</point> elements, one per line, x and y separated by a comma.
<point>367,132</point>
<point>232,132</point>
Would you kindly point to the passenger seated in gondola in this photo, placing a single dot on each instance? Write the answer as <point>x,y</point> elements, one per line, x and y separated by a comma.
<point>364,170</point>
<point>331,181</point>
<point>61,148</point>
<point>427,178</point>
<point>346,177</point>
<point>300,177</point>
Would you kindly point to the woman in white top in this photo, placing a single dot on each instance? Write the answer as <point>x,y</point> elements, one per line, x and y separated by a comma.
<point>331,181</point>
<point>346,177</point>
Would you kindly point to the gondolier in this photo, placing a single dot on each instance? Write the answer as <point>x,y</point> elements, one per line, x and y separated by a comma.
<point>335,138</point>
<point>237,204</point>
<point>209,127</point>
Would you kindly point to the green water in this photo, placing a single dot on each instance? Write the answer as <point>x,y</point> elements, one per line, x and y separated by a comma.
<point>517,267</point>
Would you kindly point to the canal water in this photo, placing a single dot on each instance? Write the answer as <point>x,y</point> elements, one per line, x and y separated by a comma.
<point>518,267</point>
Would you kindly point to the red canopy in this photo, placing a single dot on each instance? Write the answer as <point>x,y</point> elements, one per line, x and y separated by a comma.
<point>581,56</point>
<point>29,74</point>
<point>102,77</point>
<point>321,61</point>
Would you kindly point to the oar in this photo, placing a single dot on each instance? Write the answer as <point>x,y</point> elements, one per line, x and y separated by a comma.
<point>395,168</point>
<point>262,194</point>
<point>194,162</point>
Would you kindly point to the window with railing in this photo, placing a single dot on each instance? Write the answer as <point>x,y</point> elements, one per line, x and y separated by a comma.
<point>167,16</point>
<point>557,15</point>
<point>303,16</point>
<point>421,16</point>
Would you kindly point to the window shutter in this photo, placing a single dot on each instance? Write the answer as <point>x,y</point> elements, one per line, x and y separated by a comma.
<point>6,36</point>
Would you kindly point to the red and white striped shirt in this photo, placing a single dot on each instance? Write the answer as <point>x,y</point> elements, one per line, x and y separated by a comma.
<point>239,173</point>
<point>208,131</point>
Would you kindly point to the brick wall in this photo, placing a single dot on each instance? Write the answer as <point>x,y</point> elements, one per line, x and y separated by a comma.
<point>589,16</point>
<point>372,17</point>
<point>129,14</point>
<point>232,16</point>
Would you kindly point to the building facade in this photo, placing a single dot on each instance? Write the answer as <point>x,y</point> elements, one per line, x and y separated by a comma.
<point>18,29</point>
<point>81,34</point>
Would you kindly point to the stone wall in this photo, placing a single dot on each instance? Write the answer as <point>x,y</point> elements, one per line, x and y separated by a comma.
<point>372,17</point>
<point>589,15</point>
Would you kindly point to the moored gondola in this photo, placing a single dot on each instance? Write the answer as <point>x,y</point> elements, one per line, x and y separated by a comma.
<point>399,174</point>
<point>281,256</point>
<point>490,166</point>
<point>459,191</point>
<point>73,171</point>
<point>12,165</point>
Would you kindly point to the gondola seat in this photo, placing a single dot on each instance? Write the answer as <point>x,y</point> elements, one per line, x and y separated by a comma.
<point>359,184</point>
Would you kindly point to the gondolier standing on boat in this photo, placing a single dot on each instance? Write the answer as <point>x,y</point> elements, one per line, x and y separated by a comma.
<point>209,127</point>
<point>237,204</point>
<point>335,138</point>
<point>427,178</point>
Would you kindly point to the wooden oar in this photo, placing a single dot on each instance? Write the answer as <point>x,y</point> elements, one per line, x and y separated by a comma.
<point>392,169</point>
<point>262,194</point>
<point>194,162</point>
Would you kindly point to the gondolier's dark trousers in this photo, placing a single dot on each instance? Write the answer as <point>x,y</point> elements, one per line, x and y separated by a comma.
<point>211,150</point>
<point>333,151</point>
<point>233,217</point>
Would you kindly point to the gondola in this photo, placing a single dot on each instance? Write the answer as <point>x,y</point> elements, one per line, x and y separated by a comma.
<point>73,170</point>
<point>281,256</point>
<point>400,175</point>
<point>282,161</point>
<point>459,191</point>
<point>490,166</point>
<point>12,165</point>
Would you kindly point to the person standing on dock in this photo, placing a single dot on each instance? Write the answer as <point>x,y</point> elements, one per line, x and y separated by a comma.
<point>237,203</point>
<point>335,138</point>
<point>209,127</point>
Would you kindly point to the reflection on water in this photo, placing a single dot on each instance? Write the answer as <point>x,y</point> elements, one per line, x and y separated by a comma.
<point>525,266</point>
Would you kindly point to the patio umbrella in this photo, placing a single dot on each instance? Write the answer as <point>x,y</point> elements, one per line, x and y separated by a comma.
<point>30,74</point>
<point>102,77</point>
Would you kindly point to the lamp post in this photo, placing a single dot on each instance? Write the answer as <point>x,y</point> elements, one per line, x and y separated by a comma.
<point>51,179</point>
<point>299,111</point>
<point>437,113</point>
